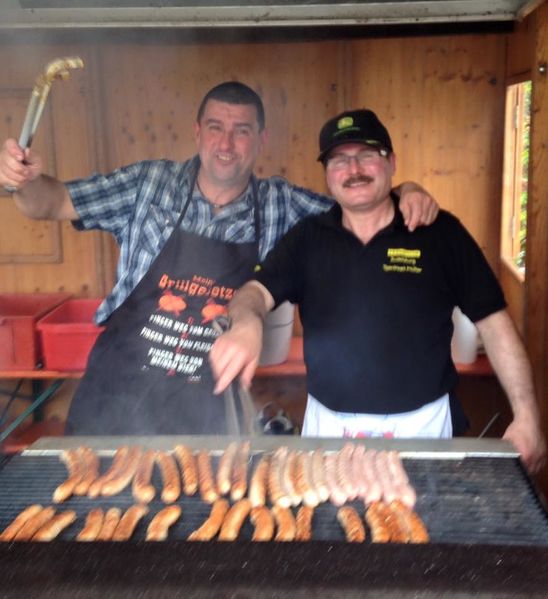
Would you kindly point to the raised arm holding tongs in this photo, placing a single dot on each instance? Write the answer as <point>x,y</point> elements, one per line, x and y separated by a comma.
<point>56,69</point>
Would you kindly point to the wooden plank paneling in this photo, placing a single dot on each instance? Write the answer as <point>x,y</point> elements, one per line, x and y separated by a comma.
<point>153,91</point>
<point>65,140</point>
<point>536,283</point>
<point>440,96</point>
<point>27,241</point>
<point>442,100</point>
<point>513,287</point>
<point>521,48</point>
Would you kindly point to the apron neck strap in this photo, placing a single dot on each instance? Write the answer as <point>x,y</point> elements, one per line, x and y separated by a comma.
<point>193,177</point>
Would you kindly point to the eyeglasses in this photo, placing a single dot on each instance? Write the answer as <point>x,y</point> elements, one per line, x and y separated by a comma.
<point>340,162</point>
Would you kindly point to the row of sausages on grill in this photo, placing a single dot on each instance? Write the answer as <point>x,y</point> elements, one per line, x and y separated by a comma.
<point>285,477</point>
<point>37,523</point>
<point>387,522</point>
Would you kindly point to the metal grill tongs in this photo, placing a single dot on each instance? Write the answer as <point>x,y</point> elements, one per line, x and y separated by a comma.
<point>248,420</point>
<point>56,69</point>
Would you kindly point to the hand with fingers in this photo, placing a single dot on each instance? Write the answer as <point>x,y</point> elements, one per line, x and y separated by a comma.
<point>237,352</point>
<point>528,439</point>
<point>417,206</point>
<point>18,166</point>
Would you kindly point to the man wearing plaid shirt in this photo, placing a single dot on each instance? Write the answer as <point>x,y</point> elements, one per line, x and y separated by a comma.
<point>189,234</point>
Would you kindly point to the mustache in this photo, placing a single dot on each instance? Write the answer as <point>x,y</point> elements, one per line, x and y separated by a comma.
<point>357,179</point>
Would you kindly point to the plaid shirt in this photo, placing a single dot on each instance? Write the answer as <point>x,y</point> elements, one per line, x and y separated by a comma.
<point>140,204</point>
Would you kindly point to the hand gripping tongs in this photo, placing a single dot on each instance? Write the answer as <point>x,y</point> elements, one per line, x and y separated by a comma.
<point>246,412</point>
<point>56,69</point>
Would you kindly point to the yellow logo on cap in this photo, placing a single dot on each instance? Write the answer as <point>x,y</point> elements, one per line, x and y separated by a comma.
<point>345,122</point>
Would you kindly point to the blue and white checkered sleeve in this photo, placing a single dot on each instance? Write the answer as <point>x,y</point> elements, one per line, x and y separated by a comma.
<point>106,202</point>
<point>284,205</point>
<point>305,202</point>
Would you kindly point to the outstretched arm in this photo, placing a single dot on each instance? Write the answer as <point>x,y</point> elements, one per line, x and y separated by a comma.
<point>37,195</point>
<point>238,350</point>
<point>417,205</point>
<point>509,359</point>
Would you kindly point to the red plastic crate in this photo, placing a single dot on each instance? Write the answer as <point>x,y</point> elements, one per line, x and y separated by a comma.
<point>68,334</point>
<point>19,342</point>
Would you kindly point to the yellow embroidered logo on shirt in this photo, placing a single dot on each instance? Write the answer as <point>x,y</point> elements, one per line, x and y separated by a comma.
<point>403,252</point>
<point>402,260</point>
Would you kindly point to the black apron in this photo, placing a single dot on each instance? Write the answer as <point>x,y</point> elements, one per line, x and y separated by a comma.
<point>149,372</point>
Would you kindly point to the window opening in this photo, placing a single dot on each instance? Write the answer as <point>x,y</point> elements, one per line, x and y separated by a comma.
<point>516,170</point>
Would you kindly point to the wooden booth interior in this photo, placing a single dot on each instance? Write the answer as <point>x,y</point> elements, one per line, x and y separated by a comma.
<point>439,89</point>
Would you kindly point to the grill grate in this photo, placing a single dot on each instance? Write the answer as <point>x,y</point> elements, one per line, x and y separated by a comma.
<point>462,501</point>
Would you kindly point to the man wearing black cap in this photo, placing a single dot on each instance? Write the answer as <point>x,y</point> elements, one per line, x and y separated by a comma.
<point>376,302</point>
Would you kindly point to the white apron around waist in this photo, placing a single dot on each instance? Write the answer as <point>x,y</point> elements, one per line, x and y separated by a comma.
<point>432,420</point>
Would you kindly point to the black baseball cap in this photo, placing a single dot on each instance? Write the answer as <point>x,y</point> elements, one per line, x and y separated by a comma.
<point>356,126</point>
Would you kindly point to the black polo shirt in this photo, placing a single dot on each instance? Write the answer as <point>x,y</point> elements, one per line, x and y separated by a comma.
<point>377,317</point>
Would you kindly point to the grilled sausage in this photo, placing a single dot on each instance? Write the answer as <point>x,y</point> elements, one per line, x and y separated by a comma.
<point>92,527</point>
<point>128,522</point>
<point>258,484</point>
<point>55,526</point>
<point>276,487</point>
<point>34,523</point>
<point>344,471</point>
<point>288,477</point>
<point>285,522</point>
<point>384,477</point>
<point>109,524</point>
<point>263,521</point>
<point>234,520</point>
<point>303,523</point>
<point>310,496</point>
<point>17,524</point>
<point>358,475</point>
<point>189,470</point>
<point>410,522</point>
<point>318,475</point>
<point>76,472</point>
<point>159,525</point>
<point>114,469</point>
<point>239,472</point>
<point>396,525</point>
<point>373,489</point>
<point>91,461</point>
<point>276,490</point>
<point>170,477</point>
<point>224,470</point>
<point>352,524</point>
<point>375,517</point>
<point>121,479</point>
<point>336,494</point>
<point>403,488</point>
<point>205,478</point>
<point>142,489</point>
<point>214,522</point>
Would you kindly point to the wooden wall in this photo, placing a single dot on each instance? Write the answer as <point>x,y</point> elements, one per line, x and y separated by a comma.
<point>441,97</point>
<point>44,256</point>
<point>536,282</point>
<point>442,100</point>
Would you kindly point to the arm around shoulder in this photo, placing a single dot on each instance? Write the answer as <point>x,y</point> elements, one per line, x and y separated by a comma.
<point>417,206</point>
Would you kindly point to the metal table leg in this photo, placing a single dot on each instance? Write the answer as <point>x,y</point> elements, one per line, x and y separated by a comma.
<point>44,396</point>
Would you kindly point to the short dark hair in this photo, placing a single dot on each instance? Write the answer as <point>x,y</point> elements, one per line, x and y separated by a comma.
<point>234,92</point>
